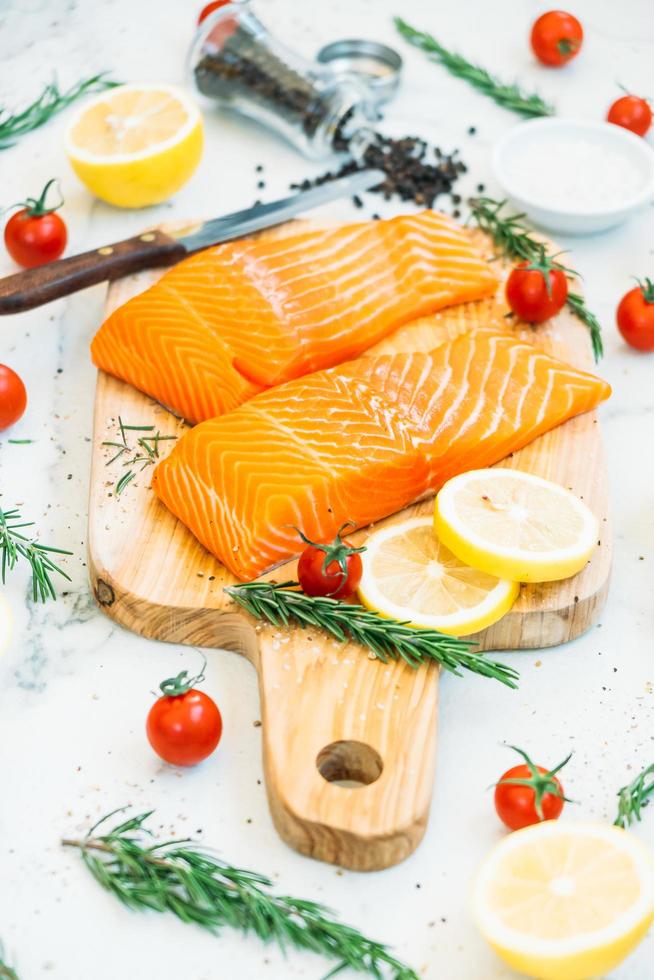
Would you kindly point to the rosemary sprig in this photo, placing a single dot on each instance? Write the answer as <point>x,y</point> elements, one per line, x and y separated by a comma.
<point>509,96</point>
<point>15,545</point>
<point>577,306</point>
<point>48,104</point>
<point>634,797</point>
<point>199,888</point>
<point>145,453</point>
<point>516,241</point>
<point>6,972</point>
<point>389,639</point>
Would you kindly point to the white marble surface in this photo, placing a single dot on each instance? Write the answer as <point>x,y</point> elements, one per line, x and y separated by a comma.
<point>74,689</point>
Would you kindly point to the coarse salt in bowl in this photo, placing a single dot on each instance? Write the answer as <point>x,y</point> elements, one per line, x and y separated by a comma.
<point>573,176</point>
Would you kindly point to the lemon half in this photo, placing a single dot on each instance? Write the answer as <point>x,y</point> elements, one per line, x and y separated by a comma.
<point>136,145</point>
<point>565,900</point>
<point>515,525</point>
<point>409,575</point>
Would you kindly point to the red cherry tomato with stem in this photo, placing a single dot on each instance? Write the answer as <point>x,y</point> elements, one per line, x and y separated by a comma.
<point>537,290</point>
<point>13,397</point>
<point>556,38</point>
<point>36,234</point>
<point>635,316</point>
<point>209,9</point>
<point>528,794</point>
<point>631,112</point>
<point>329,569</point>
<point>184,725</point>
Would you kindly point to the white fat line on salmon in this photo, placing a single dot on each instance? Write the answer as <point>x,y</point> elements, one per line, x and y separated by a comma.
<point>500,409</point>
<point>474,413</point>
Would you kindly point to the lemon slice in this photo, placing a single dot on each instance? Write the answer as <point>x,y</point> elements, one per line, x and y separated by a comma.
<point>136,145</point>
<point>565,901</point>
<point>515,525</point>
<point>409,575</point>
<point>6,624</point>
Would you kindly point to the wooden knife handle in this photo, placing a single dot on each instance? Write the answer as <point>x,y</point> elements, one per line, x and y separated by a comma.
<point>34,287</point>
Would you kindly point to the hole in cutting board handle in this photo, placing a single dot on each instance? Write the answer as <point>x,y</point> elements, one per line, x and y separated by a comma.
<point>349,764</point>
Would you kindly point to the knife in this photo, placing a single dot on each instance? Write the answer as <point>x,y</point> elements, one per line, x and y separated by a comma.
<point>34,287</point>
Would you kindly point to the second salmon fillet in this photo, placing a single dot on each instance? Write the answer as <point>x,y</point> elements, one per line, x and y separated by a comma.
<point>361,441</point>
<point>233,320</point>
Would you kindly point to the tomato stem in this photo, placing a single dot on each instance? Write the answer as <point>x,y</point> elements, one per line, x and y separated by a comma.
<point>647,289</point>
<point>540,782</point>
<point>544,264</point>
<point>567,45</point>
<point>36,207</point>
<point>643,98</point>
<point>335,551</point>
<point>174,687</point>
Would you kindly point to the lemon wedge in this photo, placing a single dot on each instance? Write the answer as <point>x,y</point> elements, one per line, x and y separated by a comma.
<point>515,525</point>
<point>136,145</point>
<point>409,575</point>
<point>6,624</point>
<point>565,901</point>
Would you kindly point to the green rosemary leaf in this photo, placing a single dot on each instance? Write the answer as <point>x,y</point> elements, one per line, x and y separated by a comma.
<point>509,96</point>
<point>148,450</point>
<point>124,480</point>
<point>634,797</point>
<point>577,306</point>
<point>389,639</point>
<point>516,241</point>
<point>20,442</point>
<point>199,888</point>
<point>6,972</point>
<point>48,104</point>
<point>15,545</point>
<point>121,450</point>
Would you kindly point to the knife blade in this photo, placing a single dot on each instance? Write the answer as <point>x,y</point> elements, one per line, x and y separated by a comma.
<point>262,216</point>
<point>34,287</point>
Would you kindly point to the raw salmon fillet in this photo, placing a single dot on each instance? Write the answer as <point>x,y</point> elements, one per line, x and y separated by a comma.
<point>360,441</point>
<point>235,319</point>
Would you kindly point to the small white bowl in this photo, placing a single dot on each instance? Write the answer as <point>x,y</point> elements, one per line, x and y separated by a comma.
<point>574,176</point>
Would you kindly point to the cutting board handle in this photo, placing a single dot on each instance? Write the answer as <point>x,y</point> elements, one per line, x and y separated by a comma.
<point>349,749</point>
<point>34,287</point>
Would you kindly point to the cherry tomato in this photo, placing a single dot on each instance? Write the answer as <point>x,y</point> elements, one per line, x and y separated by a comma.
<point>329,569</point>
<point>209,9</point>
<point>631,112</point>
<point>528,794</point>
<point>537,290</point>
<point>36,234</point>
<point>635,316</point>
<point>556,38</point>
<point>184,725</point>
<point>13,397</point>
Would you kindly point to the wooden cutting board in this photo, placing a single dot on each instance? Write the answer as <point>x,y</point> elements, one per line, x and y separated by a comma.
<point>349,743</point>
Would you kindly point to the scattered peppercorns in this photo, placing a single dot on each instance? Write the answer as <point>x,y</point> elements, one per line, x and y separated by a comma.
<point>409,175</point>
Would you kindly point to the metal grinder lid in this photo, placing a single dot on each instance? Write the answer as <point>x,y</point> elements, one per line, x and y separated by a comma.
<point>377,65</point>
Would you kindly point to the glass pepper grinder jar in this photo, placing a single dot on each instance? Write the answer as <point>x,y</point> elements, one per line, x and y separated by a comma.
<point>236,63</point>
